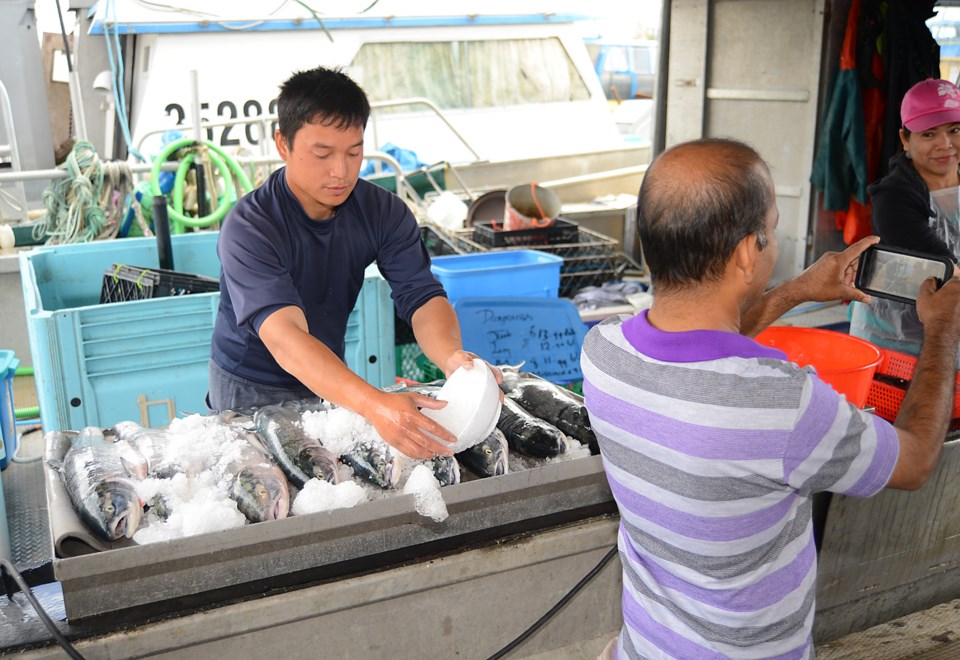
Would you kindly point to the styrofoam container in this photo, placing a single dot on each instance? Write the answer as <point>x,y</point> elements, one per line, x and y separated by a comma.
<point>146,360</point>
<point>473,405</point>
<point>505,272</point>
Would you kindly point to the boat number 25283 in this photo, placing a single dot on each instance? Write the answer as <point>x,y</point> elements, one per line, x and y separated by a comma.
<point>235,135</point>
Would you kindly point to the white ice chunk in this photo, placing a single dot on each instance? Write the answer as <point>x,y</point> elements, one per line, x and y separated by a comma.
<point>197,505</point>
<point>318,495</point>
<point>426,491</point>
<point>338,429</point>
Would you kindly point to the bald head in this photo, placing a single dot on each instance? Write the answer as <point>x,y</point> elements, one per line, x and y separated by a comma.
<point>697,202</point>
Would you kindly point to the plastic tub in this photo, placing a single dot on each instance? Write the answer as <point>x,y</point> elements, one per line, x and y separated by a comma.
<point>510,272</point>
<point>8,428</point>
<point>146,360</point>
<point>847,363</point>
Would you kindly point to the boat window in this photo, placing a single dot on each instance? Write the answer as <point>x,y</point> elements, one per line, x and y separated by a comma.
<point>470,74</point>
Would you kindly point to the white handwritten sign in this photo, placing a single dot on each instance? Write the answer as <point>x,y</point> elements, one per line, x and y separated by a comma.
<point>544,333</point>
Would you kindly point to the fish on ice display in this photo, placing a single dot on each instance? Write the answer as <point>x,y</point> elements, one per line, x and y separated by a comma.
<point>207,473</point>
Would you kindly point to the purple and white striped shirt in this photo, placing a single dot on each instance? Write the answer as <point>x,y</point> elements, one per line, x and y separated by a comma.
<point>713,445</point>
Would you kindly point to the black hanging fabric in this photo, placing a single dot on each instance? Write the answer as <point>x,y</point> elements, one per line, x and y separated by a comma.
<point>910,54</point>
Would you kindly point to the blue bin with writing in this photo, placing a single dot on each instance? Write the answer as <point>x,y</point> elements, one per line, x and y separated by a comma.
<point>507,273</point>
<point>545,334</point>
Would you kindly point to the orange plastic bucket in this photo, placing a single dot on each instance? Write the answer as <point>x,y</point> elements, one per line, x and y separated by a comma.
<point>847,363</point>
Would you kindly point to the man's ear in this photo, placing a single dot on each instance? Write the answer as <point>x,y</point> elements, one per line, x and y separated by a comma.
<point>744,259</point>
<point>281,142</point>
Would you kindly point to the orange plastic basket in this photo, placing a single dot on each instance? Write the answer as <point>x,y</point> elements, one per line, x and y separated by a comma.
<point>847,363</point>
<point>886,398</point>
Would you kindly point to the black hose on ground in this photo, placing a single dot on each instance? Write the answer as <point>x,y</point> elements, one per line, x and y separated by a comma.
<point>8,569</point>
<point>556,608</point>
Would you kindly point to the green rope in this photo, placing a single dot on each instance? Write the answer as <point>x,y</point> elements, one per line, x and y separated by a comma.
<point>73,210</point>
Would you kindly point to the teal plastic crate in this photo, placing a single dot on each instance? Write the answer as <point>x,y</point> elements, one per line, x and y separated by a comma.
<point>8,422</point>
<point>146,360</point>
<point>503,273</point>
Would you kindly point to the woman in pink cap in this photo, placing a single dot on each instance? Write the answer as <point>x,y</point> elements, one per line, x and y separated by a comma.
<point>917,205</point>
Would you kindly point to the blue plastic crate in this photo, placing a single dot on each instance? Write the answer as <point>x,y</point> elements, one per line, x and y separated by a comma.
<point>507,272</point>
<point>8,422</point>
<point>146,360</point>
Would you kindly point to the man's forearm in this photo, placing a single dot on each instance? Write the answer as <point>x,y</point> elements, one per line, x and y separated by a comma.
<point>772,305</point>
<point>927,407</point>
<point>437,330</point>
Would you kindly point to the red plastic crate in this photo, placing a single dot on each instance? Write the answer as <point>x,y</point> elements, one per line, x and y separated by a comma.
<point>885,397</point>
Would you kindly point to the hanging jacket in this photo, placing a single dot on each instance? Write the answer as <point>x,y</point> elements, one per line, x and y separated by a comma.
<point>840,168</point>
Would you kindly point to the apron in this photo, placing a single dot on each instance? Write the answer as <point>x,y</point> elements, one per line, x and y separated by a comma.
<point>895,325</point>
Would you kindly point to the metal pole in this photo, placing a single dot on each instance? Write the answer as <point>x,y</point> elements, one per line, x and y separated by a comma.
<point>76,99</point>
<point>161,227</point>
<point>663,75</point>
<point>195,105</point>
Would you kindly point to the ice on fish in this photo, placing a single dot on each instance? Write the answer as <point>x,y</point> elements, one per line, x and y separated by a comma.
<point>317,495</point>
<point>197,505</point>
<point>356,442</point>
<point>428,501</point>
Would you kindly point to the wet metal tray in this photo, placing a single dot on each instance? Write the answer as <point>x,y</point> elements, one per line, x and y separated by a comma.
<point>191,572</point>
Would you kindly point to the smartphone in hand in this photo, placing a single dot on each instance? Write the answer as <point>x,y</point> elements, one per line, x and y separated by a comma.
<point>897,274</point>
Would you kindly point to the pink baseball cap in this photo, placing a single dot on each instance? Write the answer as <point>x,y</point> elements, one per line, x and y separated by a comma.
<point>930,103</point>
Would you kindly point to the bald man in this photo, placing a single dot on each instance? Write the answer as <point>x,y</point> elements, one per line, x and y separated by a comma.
<point>713,444</point>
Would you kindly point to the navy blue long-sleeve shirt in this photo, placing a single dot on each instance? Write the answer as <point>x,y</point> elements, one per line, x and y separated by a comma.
<point>273,255</point>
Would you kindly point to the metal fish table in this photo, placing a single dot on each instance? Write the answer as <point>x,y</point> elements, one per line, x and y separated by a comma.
<point>100,578</point>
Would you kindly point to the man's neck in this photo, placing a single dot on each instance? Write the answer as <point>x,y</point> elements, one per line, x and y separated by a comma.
<point>701,308</point>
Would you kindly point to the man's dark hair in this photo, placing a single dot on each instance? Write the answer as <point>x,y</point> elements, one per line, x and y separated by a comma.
<point>323,96</point>
<point>697,201</point>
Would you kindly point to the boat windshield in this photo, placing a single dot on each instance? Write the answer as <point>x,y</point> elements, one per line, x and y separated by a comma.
<point>470,74</point>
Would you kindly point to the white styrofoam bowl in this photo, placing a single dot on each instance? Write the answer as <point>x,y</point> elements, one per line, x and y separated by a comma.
<point>473,405</point>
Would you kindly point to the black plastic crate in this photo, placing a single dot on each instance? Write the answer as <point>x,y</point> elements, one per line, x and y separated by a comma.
<point>437,243</point>
<point>561,231</point>
<point>123,283</point>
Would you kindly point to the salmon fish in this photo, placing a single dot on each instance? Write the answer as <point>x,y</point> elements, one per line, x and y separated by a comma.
<point>488,458</point>
<point>446,469</point>
<point>301,458</point>
<point>554,405</point>
<point>100,487</point>
<point>528,434</point>
<point>374,461</point>
<point>151,444</point>
<point>257,485</point>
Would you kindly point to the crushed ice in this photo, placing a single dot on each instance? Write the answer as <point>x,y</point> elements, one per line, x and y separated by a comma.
<point>319,495</point>
<point>426,491</point>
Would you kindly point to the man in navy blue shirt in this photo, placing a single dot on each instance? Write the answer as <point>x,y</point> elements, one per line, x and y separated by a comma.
<point>293,254</point>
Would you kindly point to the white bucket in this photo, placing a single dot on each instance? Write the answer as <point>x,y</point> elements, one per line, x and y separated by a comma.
<point>530,206</point>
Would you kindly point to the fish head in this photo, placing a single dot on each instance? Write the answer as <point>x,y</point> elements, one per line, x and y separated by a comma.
<point>322,463</point>
<point>261,494</point>
<point>120,508</point>
<point>500,449</point>
<point>446,470</point>
<point>386,466</point>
